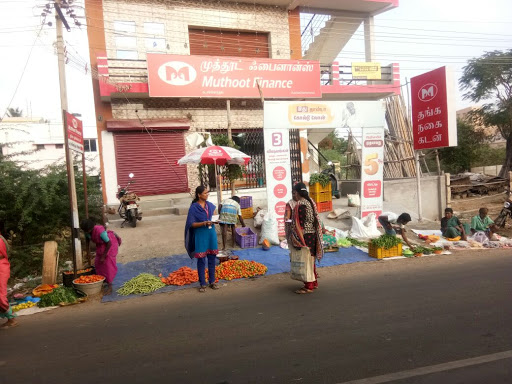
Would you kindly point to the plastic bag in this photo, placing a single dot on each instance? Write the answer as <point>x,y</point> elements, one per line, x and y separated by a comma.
<point>338,233</point>
<point>258,218</point>
<point>365,228</point>
<point>480,237</point>
<point>354,200</point>
<point>269,229</point>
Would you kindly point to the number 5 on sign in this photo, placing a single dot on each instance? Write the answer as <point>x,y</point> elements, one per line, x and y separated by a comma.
<point>371,164</point>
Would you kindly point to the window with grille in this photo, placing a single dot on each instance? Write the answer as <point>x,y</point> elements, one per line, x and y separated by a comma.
<point>90,145</point>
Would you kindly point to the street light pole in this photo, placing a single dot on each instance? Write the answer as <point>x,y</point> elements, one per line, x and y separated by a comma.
<point>76,246</point>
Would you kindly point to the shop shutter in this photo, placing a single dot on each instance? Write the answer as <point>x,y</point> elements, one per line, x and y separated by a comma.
<point>228,43</point>
<point>151,157</point>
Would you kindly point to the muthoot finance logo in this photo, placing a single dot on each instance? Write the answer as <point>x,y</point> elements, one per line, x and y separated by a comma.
<point>177,73</point>
<point>427,92</point>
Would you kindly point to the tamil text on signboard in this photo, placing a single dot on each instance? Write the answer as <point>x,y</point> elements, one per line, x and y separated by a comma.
<point>433,111</point>
<point>233,77</point>
<point>75,133</point>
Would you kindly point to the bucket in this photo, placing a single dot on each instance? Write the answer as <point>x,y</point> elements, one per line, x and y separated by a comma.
<point>90,289</point>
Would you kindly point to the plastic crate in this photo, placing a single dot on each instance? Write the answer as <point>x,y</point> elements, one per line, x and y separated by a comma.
<point>380,253</point>
<point>324,207</point>
<point>321,197</point>
<point>317,188</point>
<point>247,213</point>
<point>245,237</point>
<point>245,202</point>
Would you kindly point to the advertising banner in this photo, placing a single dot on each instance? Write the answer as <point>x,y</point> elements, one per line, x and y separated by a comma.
<point>434,119</point>
<point>231,77</point>
<point>75,133</point>
<point>372,155</point>
<point>368,71</point>
<point>278,173</point>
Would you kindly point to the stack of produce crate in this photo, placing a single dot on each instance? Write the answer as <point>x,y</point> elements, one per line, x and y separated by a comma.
<point>246,205</point>
<point>322,196</point>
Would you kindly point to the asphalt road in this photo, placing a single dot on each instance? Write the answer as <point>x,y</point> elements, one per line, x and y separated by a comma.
<point>441,319</point>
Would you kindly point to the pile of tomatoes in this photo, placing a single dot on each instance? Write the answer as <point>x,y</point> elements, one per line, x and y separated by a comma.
<point>88,279</point>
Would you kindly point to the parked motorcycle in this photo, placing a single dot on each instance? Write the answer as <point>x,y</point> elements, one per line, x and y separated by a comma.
<point>334,180</point>
<point>506,212</point>
<point>129,209</point>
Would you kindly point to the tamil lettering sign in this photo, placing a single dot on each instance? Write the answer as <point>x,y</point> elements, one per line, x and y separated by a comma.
<point>278,173</point>
<point>231,77</point>
<point>75,133</point>
<point>368,71</point>
<point>372,155</point>
<point>434,119</point>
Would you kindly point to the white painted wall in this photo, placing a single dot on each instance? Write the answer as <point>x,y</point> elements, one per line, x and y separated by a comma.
<point>109,165</point>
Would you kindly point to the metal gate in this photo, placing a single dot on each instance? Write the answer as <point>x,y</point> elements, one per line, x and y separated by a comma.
<point>295,162</point>
<point>251,143</point>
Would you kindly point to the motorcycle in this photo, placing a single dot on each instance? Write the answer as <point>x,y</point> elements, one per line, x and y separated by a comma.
<point>334,180</point>
<point>128,204</point>
<point>506,212</point>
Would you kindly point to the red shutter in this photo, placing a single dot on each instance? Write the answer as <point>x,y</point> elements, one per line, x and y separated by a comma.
<point>152,159</point>
<point>228,43</point>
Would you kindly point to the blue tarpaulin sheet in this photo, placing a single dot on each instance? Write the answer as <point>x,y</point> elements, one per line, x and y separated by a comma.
<point>276,259</point>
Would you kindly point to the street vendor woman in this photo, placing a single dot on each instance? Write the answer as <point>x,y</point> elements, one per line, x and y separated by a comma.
<point>451,227</point>
<point>107,247</point>
<point>393,224</point>
<point>483,223</point>
<point>5,272</point>
<point>201,237</point>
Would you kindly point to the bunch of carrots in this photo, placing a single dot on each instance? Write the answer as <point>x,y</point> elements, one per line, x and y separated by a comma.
<point>182,276</point>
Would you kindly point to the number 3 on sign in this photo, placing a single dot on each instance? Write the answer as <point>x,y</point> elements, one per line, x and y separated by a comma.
<point>370,163</point>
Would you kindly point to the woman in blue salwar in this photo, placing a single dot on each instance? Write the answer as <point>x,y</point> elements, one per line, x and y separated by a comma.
<point>201,237</point>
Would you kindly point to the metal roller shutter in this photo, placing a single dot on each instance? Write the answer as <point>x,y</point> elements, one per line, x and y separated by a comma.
<point>151,157</point>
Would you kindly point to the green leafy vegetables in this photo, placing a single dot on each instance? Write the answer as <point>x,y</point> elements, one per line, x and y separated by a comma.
<point>386,241</point>
<point>57,296</point>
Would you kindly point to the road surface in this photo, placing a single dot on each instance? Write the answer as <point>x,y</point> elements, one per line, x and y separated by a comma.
<point>440,319</point>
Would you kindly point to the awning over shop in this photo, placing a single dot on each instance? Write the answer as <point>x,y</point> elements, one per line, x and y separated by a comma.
<point>151,124</point>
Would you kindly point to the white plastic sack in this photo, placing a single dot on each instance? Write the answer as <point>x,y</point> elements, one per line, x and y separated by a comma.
<point>302,265</point>
<point>269,229</point>
<point>258,218</point>
<point>480,237</point>
<point>353,200</point>
<point>365,228</point>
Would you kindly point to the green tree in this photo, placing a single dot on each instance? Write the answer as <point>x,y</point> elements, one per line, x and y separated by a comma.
<point>488,79</point>
<point>469,149</point>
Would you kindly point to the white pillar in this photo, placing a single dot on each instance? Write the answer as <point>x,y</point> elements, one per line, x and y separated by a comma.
<point>369,38</point>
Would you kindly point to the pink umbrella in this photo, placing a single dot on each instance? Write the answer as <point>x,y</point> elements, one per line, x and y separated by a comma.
<point>216,155</point>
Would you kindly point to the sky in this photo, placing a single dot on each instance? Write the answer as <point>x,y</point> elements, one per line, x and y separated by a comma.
<point>420,35</point>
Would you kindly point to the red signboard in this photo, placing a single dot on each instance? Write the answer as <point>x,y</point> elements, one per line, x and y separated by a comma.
<point>75,133</point>
<point>433,111</point>
<point>231,77</point>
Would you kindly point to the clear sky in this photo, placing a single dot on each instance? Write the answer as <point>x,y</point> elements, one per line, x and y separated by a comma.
<point>420,35</point>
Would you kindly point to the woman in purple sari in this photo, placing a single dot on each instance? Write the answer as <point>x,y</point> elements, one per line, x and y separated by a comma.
<point>107,246</point>
<point>201,237</point>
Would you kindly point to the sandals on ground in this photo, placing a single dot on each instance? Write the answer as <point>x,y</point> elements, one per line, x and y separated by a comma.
<point>202,288</point>
<point>303,291</point>
<point>214,286</point>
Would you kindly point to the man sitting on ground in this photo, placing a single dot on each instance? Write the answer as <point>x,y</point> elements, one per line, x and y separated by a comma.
<point>394,224</point>
<point>484,223</point>
<point>230,213</point>
<point>451,227</point>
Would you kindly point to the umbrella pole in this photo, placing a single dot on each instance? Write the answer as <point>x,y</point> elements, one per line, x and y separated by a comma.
<point>219,185</point>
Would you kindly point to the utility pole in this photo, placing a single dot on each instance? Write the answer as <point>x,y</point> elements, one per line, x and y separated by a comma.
<point>76,246</point>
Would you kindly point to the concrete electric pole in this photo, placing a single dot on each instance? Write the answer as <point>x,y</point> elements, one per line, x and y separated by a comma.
<point>75,235</point>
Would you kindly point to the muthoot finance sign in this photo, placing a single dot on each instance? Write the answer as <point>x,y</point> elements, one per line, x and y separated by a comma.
<point>233,77</point>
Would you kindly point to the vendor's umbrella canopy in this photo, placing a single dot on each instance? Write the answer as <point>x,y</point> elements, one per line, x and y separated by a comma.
<point>215,155</point>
